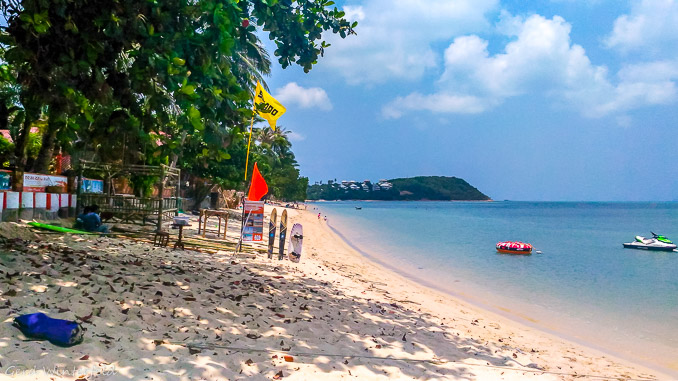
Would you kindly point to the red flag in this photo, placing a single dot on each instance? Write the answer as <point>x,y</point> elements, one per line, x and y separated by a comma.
<point>258,189</point>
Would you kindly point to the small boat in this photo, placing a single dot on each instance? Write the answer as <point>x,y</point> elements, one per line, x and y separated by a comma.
<point>511,247</point>
<point>656,243</point>
<point>358,207</point>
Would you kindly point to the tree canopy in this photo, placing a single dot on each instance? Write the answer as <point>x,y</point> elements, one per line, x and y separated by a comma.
<point>149,81</point>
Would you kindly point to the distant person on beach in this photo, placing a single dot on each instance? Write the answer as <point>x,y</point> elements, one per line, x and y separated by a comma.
<point>325,218</point>
<point>318,216</point>
<point>80,219</point>
<point>91,221</point>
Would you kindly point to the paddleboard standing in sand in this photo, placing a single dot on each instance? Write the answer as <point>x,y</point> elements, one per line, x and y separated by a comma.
<point>283,234</point>
<point>296,239</point>
<point>271,233</point>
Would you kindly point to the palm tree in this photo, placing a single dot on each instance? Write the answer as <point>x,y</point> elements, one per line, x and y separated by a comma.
<point>252,62</point>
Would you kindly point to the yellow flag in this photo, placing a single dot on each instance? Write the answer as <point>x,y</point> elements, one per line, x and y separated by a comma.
<point>270,108</point>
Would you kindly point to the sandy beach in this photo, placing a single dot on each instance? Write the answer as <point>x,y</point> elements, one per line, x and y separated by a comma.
<point>159,314</point>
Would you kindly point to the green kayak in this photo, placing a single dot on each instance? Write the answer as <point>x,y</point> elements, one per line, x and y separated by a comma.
<point>58,228</point>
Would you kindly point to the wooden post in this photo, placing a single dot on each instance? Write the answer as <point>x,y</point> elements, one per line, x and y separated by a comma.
<point>178,200</point>
<point>78,190</point>
<point>162,190</point>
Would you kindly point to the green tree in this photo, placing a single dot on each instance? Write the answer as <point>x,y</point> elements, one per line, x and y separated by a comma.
<point>277,163</point>
<point>179,69</point>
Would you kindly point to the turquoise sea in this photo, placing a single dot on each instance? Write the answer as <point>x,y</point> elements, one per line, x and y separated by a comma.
<point>584,286</point>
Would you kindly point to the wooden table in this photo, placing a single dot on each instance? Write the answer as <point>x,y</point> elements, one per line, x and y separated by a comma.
<point>206,213</point>
<point>180,241</point>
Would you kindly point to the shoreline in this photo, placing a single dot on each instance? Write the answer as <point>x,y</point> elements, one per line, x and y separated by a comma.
<point>336,315</point>
<point>521,324</point>
<point>527,321</point>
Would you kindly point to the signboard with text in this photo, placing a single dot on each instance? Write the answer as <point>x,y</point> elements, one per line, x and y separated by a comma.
<point>34,182</point>
<point>254,221</point>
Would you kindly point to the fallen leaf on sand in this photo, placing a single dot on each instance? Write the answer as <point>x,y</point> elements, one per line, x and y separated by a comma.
<point>249,362</point>
<point>85,357</point>
<point>278,375</point>
<point>85,319</point>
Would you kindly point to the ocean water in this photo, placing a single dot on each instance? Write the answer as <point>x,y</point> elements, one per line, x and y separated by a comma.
<point>583,286</point>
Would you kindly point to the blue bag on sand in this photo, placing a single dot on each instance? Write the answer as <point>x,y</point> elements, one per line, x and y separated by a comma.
<point>42,327</point>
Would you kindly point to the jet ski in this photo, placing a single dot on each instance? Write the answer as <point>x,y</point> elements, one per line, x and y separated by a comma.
<point>657,242</point>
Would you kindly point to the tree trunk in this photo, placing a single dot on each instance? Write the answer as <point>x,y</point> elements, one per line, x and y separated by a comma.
<point>20,156</point>
<point>21,144</point>
<point>55,122</point>
<point>41,164</point>
<point>31,114</point>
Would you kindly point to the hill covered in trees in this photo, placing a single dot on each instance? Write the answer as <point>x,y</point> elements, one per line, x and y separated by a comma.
<point>414,188</point>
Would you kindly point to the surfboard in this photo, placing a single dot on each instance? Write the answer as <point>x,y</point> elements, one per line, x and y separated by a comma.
<point>271,233</point>
<point>296,239</point>
<point>58,228</point>
<point>283,235</point>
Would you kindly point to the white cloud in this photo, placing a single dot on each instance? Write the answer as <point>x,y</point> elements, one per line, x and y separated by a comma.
<point>395,37</point>
<point>295,137</point>
<point>540,61</point>
<point>312,97</point>
<point>652,26</point>
<point>436,103</point>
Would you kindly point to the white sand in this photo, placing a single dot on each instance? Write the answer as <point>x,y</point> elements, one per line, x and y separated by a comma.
<point>338,315</point>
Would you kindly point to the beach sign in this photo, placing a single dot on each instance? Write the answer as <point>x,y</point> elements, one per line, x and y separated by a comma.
<point>34,182</point>
<point>253,230</point>
<point>271,233</point>
<point>283,234</point>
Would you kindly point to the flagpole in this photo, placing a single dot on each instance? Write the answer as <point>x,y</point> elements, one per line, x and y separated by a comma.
<point>271,112</point>
<point>247,159</point>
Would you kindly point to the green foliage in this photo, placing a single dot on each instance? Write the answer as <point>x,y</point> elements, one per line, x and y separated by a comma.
<point>278,164</point>
<point>6,150</point>
<point>437,188</point>
<point>143,185</point>
<point>34,144</point>
<point>414,188</point>
<point>145,82</point>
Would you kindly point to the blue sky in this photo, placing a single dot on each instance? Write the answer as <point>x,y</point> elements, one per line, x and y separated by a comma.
<point>526,100</point>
